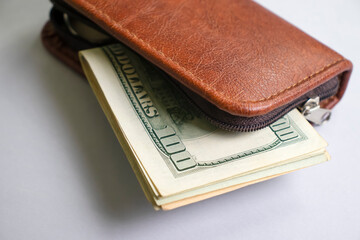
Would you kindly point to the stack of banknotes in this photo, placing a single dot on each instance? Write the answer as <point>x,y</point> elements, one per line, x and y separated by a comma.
<point>178,157</point>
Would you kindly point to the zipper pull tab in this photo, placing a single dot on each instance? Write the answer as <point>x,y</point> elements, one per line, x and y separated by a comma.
<point>314,113</point>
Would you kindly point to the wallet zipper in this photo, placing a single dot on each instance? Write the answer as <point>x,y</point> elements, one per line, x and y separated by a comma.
<point>314,113</point>
<point>308,106</point>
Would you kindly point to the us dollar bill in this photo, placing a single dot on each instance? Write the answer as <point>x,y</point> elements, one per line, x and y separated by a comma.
<point>176,152</point>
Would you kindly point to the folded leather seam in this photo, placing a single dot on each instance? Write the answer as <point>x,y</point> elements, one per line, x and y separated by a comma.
<point>99,11</point>
<point>55,46</point>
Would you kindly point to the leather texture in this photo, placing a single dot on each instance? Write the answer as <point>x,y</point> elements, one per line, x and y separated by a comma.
<point>234,53</point>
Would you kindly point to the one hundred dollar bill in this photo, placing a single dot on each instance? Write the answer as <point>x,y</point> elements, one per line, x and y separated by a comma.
<point>177,155</point>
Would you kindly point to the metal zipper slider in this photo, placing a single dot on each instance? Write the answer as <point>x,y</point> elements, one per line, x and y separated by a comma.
<point>314,113</point>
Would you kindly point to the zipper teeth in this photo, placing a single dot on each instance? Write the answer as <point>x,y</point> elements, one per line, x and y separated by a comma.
<point>250,128</point>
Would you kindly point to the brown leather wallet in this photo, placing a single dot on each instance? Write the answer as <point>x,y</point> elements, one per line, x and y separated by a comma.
<point>241,65</point>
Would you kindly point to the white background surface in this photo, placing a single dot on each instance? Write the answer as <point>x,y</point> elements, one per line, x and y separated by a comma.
<point>64,176</point>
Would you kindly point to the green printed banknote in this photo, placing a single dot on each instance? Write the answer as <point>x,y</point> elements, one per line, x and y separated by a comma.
<point>176,154</point>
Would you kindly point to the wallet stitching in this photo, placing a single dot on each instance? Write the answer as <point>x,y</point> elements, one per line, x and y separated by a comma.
<point>197,78</point>
<point>299,82</point>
